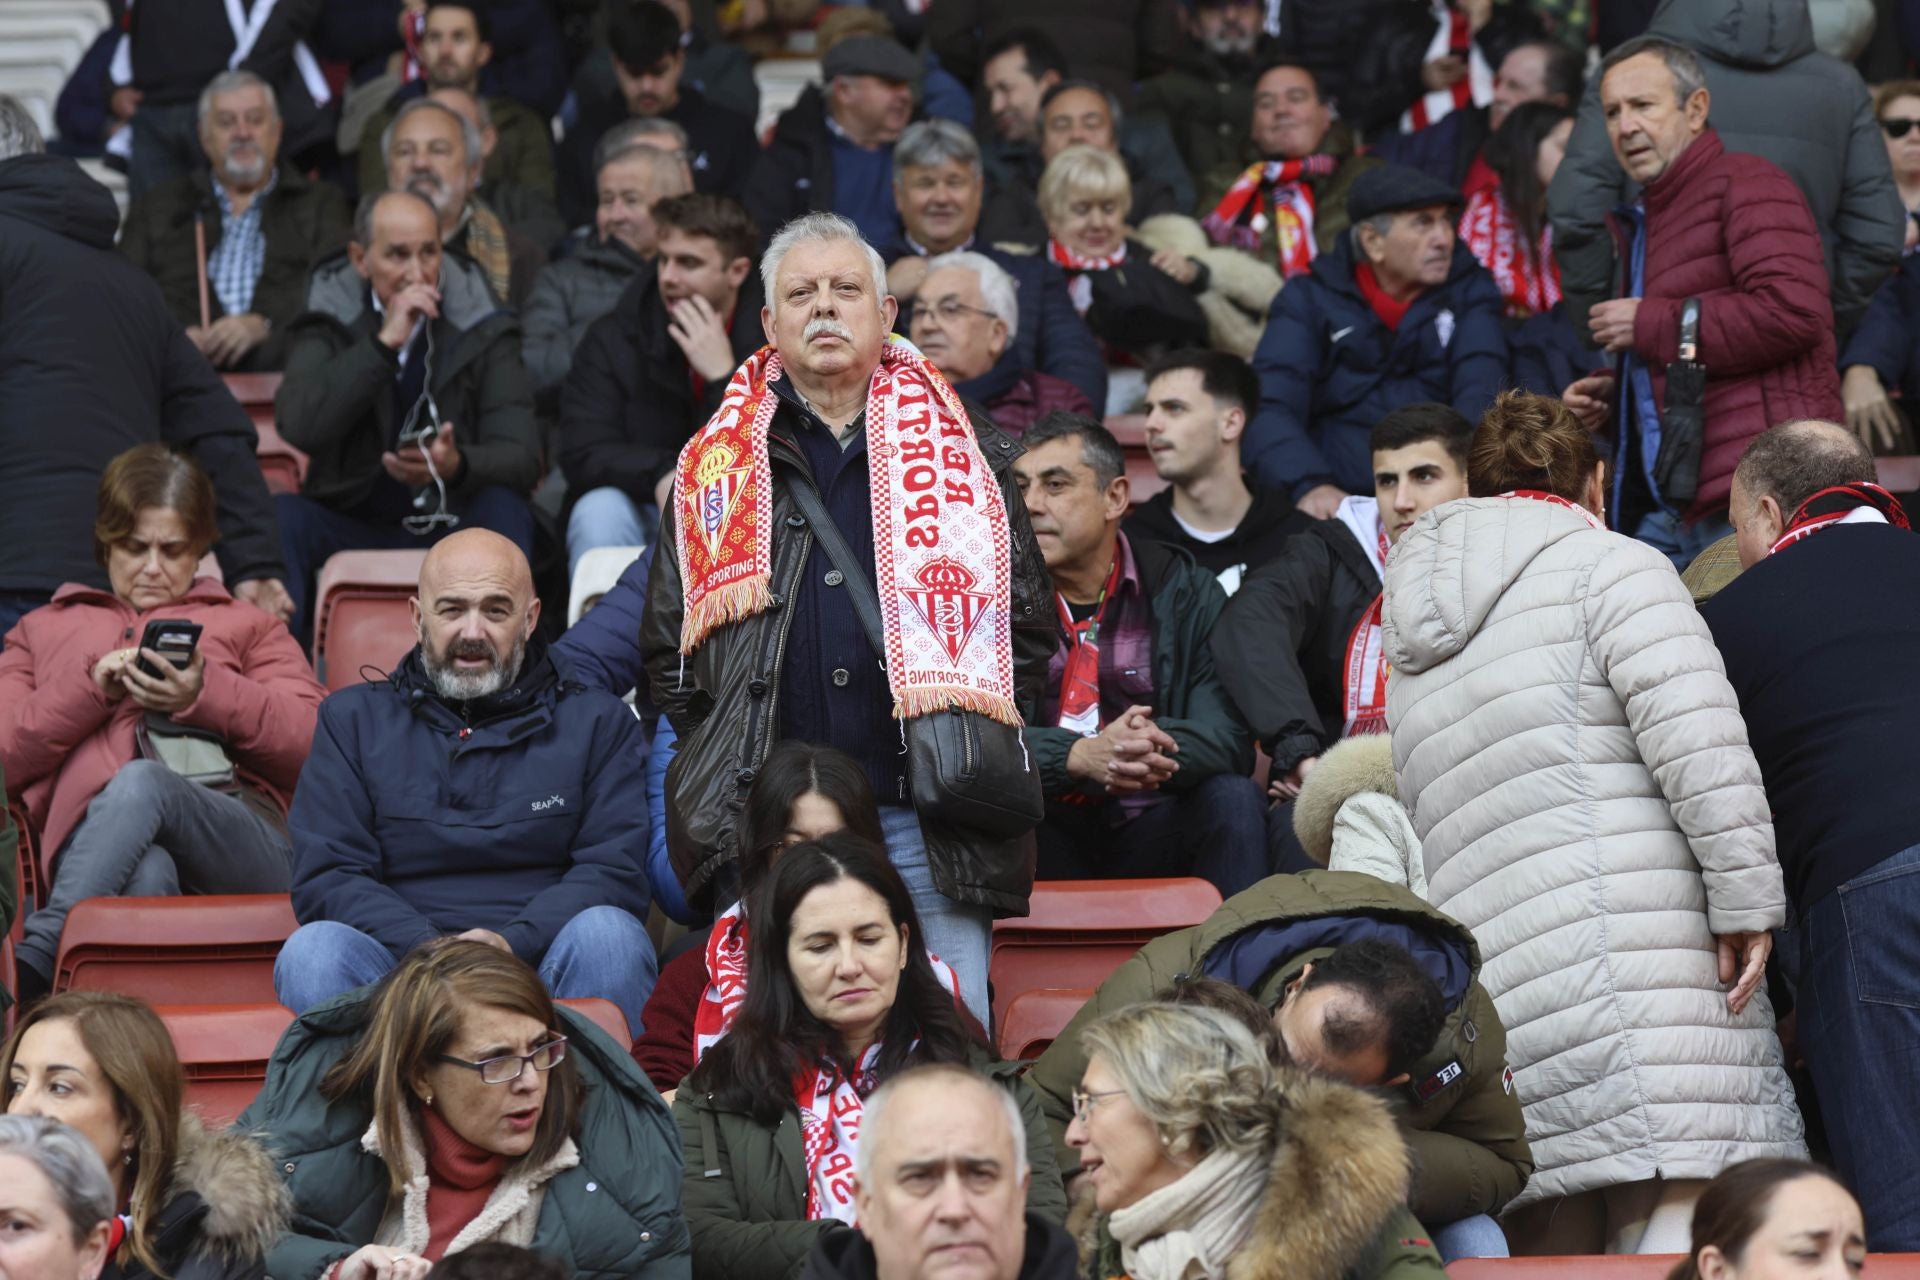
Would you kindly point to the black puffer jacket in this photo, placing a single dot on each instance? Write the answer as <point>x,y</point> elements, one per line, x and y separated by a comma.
<point>1281,646</point>
<point>222,1210</point>
<point>724,699</point>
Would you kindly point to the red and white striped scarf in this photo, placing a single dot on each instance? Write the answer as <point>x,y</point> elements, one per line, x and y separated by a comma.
<point>1276,185</point>
<point>1540,495</point>
<point>1454,38</point>
<point>1842,504</point>
<point>1076,266</point>
<point>1528,281</point>
<point>1366,682</point>
<point>941,549</point>
<point>831,1109</point>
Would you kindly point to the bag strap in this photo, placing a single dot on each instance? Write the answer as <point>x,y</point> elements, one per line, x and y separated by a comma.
<point>861,592</point>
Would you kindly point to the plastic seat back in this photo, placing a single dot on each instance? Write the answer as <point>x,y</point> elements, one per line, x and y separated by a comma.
<point>1077,932</point>
<point>362,618</point>
<point>29,895</point>
<point>604,1014</point>
<point>284,466</point>
<point>1034,1019</point>
<point>224,1050</point>
<point>215,949</point>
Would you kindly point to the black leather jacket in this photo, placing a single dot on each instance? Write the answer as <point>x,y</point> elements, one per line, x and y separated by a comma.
<point>724,700</point>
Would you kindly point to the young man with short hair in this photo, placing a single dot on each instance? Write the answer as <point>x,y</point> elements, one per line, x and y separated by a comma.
<point>1299,646</point>
<point>1198,403</point>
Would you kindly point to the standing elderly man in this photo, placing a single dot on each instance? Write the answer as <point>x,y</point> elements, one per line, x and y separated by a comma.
<point>937,187</point>
<point>965,320</point>
<point>405,386</point>
<point>1831,589</point>
<point>434,151</point>
<point>748,634</point>
<point>263,228</point>
<point>480,792</point>
<point>941,1187</point>
<point>1732,231</point>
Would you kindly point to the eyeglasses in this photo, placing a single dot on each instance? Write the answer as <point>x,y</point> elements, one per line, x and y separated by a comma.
<point>1083,1102</point>
<point>948,309</point>
<point>506,1068</point>
<point>1898,126</point>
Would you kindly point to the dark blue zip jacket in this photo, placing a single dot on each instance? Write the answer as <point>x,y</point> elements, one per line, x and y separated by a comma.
<point>1330,368</point>
<point>417,817</point>
<point>1888,338</point>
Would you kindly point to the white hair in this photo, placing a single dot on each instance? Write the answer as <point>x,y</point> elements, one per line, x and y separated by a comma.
<point>230,82</point>
<point>469,131</point>
<point>997,288</point>
<point>69,1164</point>
<point>873,1118</point>
<point>810,228</point>
<point>19,135</point>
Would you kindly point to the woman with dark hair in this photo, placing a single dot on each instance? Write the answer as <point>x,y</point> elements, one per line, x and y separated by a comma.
<point>196,1203</point>
<point>1505,226</point>
<point>842,996</point>
<point>1775,1220</point>
<point>99,733</point>
<point>803,791</point>
<point>1577,769</point>
<point>454,1105</point>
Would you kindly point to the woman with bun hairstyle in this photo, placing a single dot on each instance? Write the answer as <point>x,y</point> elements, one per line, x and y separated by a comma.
<point>1775,1219</point>
<point>1578,772</point>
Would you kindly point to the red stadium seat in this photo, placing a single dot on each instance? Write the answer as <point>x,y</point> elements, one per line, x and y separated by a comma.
<point>361,615</point>
<point>604,1014</point>
<point>1653,1266</point>
<point>1031,1022</point>
<point>1079,931</point>
<point>284,466</point>
<point>7,981</point>
<point>224,1050</point>
<point>217,949</point>
<point>30,869</point>
<point>1130,429</point>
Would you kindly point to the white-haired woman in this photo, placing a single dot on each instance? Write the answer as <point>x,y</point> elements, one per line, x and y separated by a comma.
<point>56,1205</point>
<point>1200,1154</point>
<point>1132,305</point>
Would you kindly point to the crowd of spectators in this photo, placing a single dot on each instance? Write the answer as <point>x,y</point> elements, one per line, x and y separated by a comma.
<point>1367,456</point>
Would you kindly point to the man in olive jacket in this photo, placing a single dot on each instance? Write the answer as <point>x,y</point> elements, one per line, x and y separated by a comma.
<point>1461,1117</point>
<point>406,389</point>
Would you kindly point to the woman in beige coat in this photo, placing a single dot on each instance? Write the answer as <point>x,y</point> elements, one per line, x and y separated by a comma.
<point>1578,772</point>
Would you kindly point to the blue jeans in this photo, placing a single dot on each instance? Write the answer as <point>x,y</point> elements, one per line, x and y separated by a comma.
<point>310,532</point>
<point>607,517</point>
<point>1476,1237</point>
<point>1859,1030</point>
<point>1679,542</point>
<point>603,952</point>
<point>959,933</point>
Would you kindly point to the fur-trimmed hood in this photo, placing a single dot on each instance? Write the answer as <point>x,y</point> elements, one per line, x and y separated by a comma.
<point>1337,1180</point>
<point>1240,287</point>
<point>246,1198</point>
<point>1349,816</point>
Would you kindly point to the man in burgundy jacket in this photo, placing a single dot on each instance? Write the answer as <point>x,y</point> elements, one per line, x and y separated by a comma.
<point>1733,231</point>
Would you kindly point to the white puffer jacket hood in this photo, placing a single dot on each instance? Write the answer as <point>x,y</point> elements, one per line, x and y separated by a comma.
<point>1576,767</point>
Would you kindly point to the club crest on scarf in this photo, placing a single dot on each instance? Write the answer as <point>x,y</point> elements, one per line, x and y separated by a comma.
<point>940,539</point>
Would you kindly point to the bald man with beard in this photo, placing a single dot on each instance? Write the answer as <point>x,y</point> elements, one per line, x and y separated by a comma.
<point>479,792</point>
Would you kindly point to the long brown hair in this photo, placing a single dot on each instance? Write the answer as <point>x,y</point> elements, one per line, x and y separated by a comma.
<point>417,1011</point>
<point>1735,1206</point>
<point>136,1055</point>
<point>1527,441</point>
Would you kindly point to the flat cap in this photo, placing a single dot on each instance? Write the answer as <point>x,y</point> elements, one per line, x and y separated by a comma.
<point>1392,188</point>
<point>870,56</point>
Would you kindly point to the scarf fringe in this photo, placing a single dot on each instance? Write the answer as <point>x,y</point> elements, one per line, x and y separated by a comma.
<point>920,702</point>
<point>734,602</point>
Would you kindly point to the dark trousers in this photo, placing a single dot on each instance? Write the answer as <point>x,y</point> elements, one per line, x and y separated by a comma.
<point>1859,1030</point>
<point>1217,831</point>
<point>310,532</point>
<point>1285,854</point>
<point>166,145</point>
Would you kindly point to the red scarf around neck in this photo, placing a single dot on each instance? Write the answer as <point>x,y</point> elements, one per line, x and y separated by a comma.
<point>1833,506</point>
<point>1528,277</point>
<point>1275,191</point>
<point>1391,313</point>
<point>1366,666</point>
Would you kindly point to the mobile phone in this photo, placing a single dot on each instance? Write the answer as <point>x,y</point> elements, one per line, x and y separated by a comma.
<point>174,639</point>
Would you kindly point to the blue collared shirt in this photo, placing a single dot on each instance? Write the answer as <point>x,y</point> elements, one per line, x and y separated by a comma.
<point>234,265</point>
<point>1638,407</point>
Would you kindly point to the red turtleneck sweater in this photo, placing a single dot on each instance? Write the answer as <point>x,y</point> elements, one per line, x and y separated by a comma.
<point>460,1178</point>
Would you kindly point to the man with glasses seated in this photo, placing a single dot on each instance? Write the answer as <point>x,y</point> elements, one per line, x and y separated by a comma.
<point>480,792</point>
<point>964,320</point>
<point>406,389</point>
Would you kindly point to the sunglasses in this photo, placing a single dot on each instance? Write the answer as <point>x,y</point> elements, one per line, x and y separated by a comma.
<point>1898,126</point>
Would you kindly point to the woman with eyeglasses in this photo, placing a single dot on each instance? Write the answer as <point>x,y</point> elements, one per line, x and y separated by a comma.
<point>1883,354</point>
<point>187,1202</point>
<point>841,996</point>
<point>454,1104</point>
<point>803,792</point>
<point>1205,1161</point>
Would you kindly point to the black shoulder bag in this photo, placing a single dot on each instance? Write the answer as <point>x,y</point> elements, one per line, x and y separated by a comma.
<point>1683,424</point>
<point>965,769</point>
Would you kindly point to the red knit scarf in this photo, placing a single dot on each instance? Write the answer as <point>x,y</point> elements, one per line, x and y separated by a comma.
<point>1528,277</point>
<point>1276,191</point>
<point>1390,310</point>
<point>942,553</point>
<point>460,1179</point>
<point>1836,506</point>
<point>1076,266</point>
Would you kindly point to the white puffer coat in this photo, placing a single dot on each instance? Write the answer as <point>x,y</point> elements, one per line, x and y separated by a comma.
<point>1576,766</point>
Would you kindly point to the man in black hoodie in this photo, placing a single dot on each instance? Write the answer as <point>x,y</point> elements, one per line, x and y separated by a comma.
<point>92,363</point>
<point>1198,403</point>
<point>941,1189</point>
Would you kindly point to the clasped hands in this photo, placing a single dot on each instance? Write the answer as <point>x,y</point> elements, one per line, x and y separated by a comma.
<point>1131,754</point>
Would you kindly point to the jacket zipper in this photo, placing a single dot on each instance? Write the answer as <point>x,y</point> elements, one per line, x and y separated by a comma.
<point>968,745</point>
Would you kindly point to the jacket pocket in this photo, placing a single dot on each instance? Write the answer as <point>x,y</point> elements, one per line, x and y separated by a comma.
<point>1878,908</point>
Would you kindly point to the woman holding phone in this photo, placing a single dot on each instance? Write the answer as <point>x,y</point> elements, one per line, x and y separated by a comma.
<point>152,771</point>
